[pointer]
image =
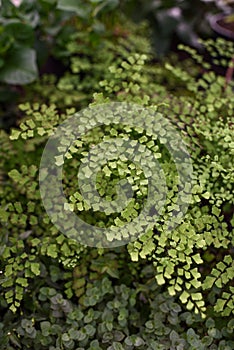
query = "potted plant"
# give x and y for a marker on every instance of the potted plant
(223, 25)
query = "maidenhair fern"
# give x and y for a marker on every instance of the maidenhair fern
(184, 259)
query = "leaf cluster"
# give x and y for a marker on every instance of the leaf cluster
(167, 289)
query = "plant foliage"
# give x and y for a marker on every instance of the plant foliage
(166, 290)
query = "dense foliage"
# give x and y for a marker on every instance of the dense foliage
(166, 290)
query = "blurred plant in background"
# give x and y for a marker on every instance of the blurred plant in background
(174, 21)
(33, 40)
